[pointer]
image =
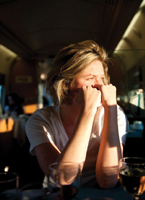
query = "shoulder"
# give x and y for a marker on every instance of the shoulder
(45, 112)
(6, 107)
(43, 115)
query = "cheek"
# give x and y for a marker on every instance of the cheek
(76, 84)
(75, 87)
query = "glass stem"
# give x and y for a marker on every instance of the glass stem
(135, 198)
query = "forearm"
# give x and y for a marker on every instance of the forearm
(44, 157)
(76, 148)
(109, 151)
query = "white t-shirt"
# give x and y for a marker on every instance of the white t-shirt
(45, 125)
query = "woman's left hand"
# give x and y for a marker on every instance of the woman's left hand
(108, 95)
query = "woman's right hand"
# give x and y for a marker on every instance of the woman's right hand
(88, 98)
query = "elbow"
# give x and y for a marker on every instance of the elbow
(107, 177)
(106, 181)
(107, 184)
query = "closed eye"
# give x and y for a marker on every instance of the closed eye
(90, 78)
(103, 78)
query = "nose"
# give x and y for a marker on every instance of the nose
(98, 81)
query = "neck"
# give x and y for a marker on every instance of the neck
(69, 113)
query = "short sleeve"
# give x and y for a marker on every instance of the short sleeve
(38, 130)
(122, 125)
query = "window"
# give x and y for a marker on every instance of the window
(2, 98)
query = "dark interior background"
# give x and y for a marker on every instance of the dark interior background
(32, 32)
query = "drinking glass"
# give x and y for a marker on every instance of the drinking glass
(98, 198)
(132, 175)
(64, 180)
(9, 183)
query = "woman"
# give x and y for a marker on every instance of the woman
(87, 126)
(13, 105)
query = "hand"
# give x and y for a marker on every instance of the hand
(108, 95)
(88, 98)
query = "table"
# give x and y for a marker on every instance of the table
(117, 193)
(6, 136)
(11, 128)
(15, 126)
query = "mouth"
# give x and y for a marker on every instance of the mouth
(97, 87)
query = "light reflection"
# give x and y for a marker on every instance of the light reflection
(43, 76)
(6, 125)
(6, 169)
(131, 26)
(50, 139)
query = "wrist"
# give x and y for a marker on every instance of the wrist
(107, 104)
(88, 111)
(110, 107)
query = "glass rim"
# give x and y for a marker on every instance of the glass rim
(124, 159)
(56, 163)
(10, 179)
(98, 198)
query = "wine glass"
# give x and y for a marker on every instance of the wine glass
(64, 180)
(132, 175)
(9, 183)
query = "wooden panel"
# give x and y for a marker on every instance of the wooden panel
(23, 81)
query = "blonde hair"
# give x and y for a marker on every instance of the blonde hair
(69, 63)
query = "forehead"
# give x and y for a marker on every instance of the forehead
(95, 67)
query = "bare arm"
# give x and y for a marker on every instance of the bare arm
(74, 151)
(77, 145)
(76, 148)
(110, 150)
(46, 154)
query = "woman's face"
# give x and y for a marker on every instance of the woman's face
(93, 75)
